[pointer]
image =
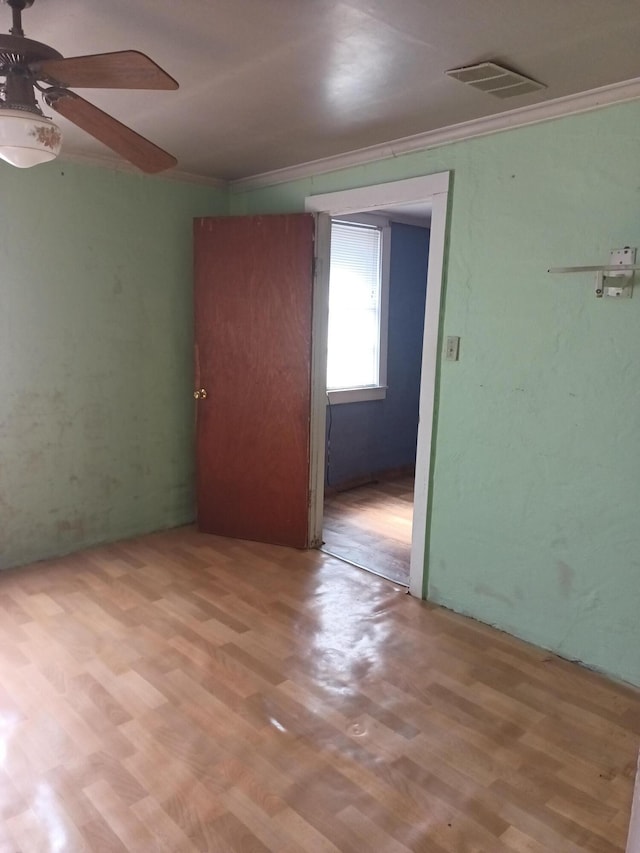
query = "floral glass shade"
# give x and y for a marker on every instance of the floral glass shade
(27, 139)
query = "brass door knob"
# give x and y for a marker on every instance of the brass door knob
(200, 394)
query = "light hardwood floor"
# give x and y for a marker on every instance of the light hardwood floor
(182, 692)
(371, 526)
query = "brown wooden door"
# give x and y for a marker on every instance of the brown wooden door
(253, 310)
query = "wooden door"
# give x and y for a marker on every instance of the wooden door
(253, 313)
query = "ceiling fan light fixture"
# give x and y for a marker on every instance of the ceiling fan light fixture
(28, 139)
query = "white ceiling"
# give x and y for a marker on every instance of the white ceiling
(266, 84)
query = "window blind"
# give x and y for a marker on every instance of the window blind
(354, 306)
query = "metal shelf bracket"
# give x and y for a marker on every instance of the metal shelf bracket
(613, 279)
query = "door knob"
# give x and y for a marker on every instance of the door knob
(200, 394)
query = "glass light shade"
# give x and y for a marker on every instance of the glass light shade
(27, 139)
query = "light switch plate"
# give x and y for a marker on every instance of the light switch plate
(452, 349)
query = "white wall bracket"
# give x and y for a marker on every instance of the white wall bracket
(613, 279)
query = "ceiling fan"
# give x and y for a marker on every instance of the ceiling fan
(28, 138)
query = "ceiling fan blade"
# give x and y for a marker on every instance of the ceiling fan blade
(124, 69)
(115, 135)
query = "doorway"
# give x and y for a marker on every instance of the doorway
(378, 279)
(432, 190)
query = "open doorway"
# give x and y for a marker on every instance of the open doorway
(377, 292)
(433, 190)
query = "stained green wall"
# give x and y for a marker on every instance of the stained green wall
(95, 356)
(536, 500)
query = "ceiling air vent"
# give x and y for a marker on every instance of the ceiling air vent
(495, 80)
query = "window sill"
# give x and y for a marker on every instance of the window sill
(357, 395)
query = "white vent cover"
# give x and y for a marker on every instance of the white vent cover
(494, 79)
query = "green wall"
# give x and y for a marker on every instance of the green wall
(95, 356)
(535, 515)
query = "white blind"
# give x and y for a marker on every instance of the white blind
(353, 357)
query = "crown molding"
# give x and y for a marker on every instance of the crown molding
(593, 99)
(127, 168)
(192, 178)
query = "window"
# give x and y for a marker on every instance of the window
(356, 354)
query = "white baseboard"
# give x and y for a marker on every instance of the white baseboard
(633, 842)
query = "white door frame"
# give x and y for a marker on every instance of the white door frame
(434, 188)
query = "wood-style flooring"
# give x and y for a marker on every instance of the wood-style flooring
(182, 692)
(371, 527)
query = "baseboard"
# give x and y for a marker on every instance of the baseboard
(633, 841)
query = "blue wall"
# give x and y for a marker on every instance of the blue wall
(368, 438)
